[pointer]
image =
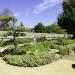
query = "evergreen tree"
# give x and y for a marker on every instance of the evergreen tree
(67, 19)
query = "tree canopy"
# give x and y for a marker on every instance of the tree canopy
(67, 19)
(6, 17)
(39, 28)
(54, 28)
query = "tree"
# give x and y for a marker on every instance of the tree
(15, 30)
(13, 20)
(5, 18)
(39, 28)
(54, 28)
(67, 19)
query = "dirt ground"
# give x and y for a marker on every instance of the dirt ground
(61, 67)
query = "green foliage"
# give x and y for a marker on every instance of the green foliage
(37, 54)
(23, 40)
(16, 34)
(5, 18)
(39, 47)
(12, 51)
(41, 39)
(18, 41)
(29, 55)
(29, 60)
(67, 19)
(4, 34)
(39, 28)
(16, 28)
(5, 43)
(63, 41)
(54, 29)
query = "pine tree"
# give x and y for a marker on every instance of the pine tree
(67, 19)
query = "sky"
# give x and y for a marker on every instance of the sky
(31, 12)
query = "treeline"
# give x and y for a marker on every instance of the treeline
(6, 24)
(54, 28)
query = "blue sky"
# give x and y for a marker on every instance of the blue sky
(30, 12)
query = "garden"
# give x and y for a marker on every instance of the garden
(36, 54)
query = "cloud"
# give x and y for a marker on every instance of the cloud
(45, 5)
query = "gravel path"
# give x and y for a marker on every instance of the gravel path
(61, 67)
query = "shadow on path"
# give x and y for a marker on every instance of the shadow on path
(73, 66)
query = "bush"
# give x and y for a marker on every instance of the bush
(29, 55)
(29, 60)
(62, 41)
(23, 40)
(4, 43)
(12, 51)
(41, 39)
(64, 50)
(39, 47)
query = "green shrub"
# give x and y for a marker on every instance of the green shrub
(64, 50)
(41, 39)
(4, 43)
(32, 48)
(29, 60)
(62, 41)
(12, 51)
(24, 40)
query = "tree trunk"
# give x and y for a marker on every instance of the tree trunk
(14, 40)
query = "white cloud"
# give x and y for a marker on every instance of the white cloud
(45, 5)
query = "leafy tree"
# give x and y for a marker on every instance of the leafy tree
(13, 20)
(39, 28)
(67, 19)
(5, 18)
(54, 29)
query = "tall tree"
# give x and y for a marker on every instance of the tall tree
(67, 19)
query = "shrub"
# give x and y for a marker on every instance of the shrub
(29, 60)
(64, 50)
(41, 39)
(32, 48)
(23, 40)
(12, 51)
(62, 41)
(4, 43)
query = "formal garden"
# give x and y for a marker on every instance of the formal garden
(28, 53)
(23, 50)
